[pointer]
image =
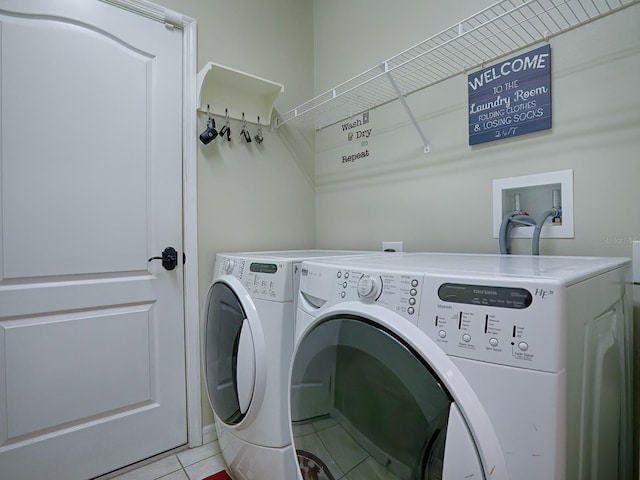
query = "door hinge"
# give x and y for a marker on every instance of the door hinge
(172, 19)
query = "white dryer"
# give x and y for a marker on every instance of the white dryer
(249, 328)
(446, 366)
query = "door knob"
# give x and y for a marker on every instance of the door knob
(169, 258)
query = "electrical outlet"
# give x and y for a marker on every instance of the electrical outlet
(392, 246)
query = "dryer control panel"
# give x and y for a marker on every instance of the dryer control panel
(264, 278)
(520, 324)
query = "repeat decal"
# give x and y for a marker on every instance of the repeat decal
(511, 98)
(358, 132)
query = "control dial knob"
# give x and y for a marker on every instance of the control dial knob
(229, 265)
(368, 286)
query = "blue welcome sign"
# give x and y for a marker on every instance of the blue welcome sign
(511, 98)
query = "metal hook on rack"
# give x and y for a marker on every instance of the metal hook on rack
(210, 133)
(226, 129)
(259, 138)
(244, 132)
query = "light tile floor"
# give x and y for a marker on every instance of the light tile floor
(324, 438)
(193, 464)
(344, 457)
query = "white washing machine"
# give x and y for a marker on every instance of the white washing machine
(447, 366)
(249, 317)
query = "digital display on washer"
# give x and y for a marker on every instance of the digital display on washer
(263, 267)
(484, 295)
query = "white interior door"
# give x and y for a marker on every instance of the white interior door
(92, 361)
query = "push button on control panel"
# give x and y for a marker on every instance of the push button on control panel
(524, 346)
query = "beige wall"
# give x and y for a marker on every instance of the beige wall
(442, 201)
(254, 197)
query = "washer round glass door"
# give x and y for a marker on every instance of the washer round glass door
(367, 404)
(232, 341)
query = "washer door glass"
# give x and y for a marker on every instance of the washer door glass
(368, 406)
(229, 355)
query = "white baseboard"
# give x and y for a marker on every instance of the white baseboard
(209, 433)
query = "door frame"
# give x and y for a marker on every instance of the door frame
(172, 20)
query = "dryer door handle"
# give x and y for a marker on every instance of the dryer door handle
(246, 367)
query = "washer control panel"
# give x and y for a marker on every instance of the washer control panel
(398, 292)
(519, 324)
(267, 279)
(512, 321)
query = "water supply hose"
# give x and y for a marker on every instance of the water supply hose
(510, 221)
(535, 241)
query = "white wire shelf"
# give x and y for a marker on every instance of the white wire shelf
(498, 30)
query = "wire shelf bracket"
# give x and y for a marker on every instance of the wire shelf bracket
(403, 101)
(499, 30)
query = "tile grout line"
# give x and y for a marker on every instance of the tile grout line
(171, 473)
(184, 466)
